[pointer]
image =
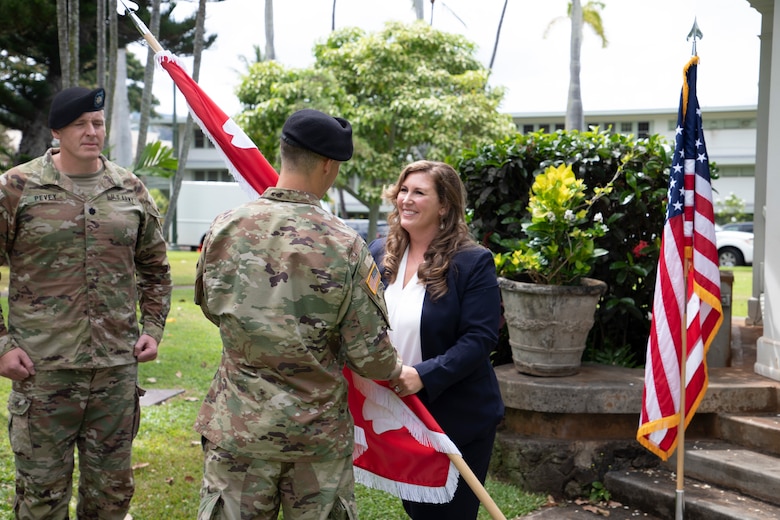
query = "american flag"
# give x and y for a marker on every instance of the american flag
(687, 285)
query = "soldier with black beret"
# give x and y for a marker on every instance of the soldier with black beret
(69, 104)
(320, 133)
(296, 296)
(83, 241)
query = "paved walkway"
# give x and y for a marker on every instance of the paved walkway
(157, 396)
(584, 511)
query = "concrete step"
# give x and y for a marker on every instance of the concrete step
(734, 467)
(757, 432)
(654, 491)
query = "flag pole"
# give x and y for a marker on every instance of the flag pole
(476, 486)
(141, 26)
(679, 508)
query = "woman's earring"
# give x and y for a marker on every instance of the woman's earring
(441, 225)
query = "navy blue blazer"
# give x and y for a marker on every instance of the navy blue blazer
(458, 332)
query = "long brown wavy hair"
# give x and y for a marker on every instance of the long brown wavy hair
(453, 232)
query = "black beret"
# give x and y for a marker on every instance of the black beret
(328, 136)
(69, 104)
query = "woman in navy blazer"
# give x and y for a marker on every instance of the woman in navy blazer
(444, 306)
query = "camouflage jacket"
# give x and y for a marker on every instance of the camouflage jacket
(296, 296)
(78, 266)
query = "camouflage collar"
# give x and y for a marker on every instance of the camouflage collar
(285, 195)
(50, 174)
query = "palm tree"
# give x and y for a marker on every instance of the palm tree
(200, 31)
(257, 57)
(100, 22)
(575, 117)
(580, 15)
(146, 97)
(113, 49)
(419, 11)
(68, 36)
(62, 40)
(270, 53)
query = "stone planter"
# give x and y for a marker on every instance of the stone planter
(548, 324)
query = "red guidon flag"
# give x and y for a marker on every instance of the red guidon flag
(244, 161)
(399, 447)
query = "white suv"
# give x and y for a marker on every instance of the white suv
(734, 247)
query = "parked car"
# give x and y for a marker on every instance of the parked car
(361, 226)
(734, 247)
(738, 226)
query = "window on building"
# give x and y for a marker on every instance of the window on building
(643, 129)
(560, 126)
(201, 140)
(545, 128)
(212, 175)
(527, 129)
(711, 124)
(609, 127)
(626, 127)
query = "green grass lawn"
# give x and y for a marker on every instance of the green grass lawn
(741, 291)
(167, 455)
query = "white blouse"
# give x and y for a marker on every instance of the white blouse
(404, 306)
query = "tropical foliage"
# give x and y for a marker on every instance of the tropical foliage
(579, 15)
(30, 67)
(156, 159)
(559, 246)
(499, 177)
(410, 92)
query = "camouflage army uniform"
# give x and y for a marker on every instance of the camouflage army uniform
(295, 294)
(78, 265)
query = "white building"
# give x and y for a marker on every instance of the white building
(730, 134)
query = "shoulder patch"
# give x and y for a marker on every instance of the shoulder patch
(373, 279)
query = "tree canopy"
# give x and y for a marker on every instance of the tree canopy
(410, 92)
(30, 72)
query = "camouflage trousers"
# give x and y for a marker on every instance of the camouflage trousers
(55, 411)
(236, 487)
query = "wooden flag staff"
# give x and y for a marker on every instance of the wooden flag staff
(477, 487)
(123, 9)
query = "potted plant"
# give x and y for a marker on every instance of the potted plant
(549, 302)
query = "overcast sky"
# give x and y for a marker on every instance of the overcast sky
(641, 68)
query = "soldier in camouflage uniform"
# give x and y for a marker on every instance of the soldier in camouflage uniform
(83, 242)
(295, 294)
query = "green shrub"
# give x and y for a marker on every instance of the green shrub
(498, 178)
